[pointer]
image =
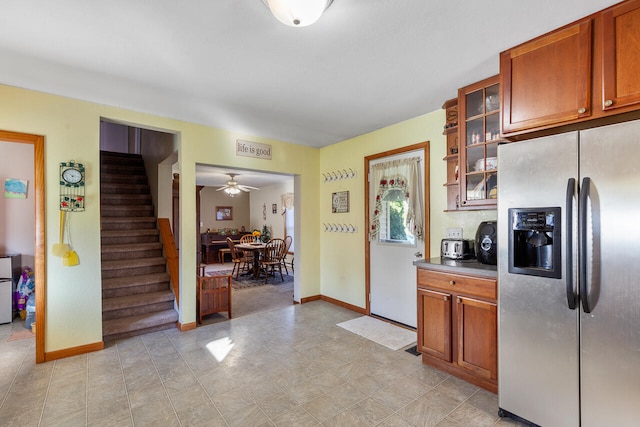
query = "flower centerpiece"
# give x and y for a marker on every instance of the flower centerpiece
(256, 236)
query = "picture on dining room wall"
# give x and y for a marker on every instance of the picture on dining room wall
(274, 208)
(224, 213)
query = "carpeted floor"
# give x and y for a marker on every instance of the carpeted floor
(383, 333)
(247, 281)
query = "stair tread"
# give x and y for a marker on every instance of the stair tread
(141, 321)
(128, 206)
(129, 247)
(125, 196)
(132, 263)
(122, 302)
(128, 219)
(130, 233)
(143, 279)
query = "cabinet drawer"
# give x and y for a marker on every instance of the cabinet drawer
(484, 288)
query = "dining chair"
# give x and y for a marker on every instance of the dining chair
(272, 258)
(248, 255)
(213, 295)
(287, 240)
(237, 257)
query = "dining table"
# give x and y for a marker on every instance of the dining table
(256, 249)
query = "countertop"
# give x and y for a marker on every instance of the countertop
(471, 266)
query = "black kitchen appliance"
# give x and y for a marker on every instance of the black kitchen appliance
(487, 243)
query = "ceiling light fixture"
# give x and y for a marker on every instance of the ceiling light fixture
(231, 191)
(297, 13)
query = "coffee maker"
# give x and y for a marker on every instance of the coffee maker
(487, 243)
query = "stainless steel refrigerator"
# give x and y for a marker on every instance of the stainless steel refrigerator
(569, 278)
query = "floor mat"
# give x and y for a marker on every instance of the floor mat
(383, 333)
(20, 335)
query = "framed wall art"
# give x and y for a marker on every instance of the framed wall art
(224, 213)
(340, 202)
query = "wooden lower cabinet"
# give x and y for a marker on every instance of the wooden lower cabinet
(434, 308)
(458, 327)
(477, 336)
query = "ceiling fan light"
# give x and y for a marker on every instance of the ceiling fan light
(232, 191)
(297, 13)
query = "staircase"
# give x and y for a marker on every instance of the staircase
(136, 293)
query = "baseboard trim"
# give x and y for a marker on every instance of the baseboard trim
(186, 327)
(335, 302)
(309, 299)
(73, 351)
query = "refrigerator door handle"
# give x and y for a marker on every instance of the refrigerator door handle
(572, 298)
(584, 198)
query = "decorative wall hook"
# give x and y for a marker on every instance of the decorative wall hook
(339, 228)
(338, 175)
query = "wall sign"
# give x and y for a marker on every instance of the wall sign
(340, 202)
(253, 149)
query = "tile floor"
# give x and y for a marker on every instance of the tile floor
(290, 366)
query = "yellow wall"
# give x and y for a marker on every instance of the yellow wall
(342, 255)
(71, 129)
(330, 264)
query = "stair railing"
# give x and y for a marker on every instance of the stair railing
(171, 253)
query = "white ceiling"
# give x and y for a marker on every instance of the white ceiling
(364, 65)
(213, 176)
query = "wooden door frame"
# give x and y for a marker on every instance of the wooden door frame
(424, 146)
(39, 244)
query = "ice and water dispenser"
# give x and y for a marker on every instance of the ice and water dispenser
(534, 242)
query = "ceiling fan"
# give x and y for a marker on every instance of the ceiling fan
(232, 186)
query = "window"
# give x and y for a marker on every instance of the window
(393, 219)
(288, 227)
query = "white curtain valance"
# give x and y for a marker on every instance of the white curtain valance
(287, 200)
(404, 175)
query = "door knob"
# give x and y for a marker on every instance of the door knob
(608, 103)
(582, 110)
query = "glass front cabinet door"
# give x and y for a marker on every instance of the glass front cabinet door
(479, 125)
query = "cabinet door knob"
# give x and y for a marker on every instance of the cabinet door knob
(446, 298)
(458, 300)
(452, 282)
(608, 103)
(582, 111)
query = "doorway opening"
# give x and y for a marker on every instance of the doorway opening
(37, 188)
(268, 205)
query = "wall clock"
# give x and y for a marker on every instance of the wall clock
(72, 175)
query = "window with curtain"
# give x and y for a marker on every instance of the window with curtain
(287, 204)
(397, 213)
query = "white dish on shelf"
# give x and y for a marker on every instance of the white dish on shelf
(492, 163)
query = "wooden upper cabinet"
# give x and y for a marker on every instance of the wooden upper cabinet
(621, 56)
(579, 76)
(547, 80)
(479, 136)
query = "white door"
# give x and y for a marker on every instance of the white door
(392, 283)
